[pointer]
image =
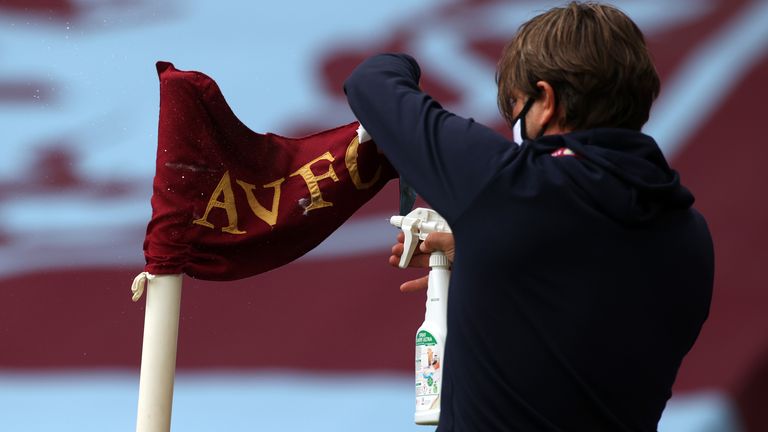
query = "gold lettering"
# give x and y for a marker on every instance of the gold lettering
(350, 159)
(311, 180)
(223, 188)
(268, 216)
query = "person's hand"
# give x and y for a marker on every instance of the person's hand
(434, 242)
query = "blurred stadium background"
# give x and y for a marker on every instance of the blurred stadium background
(323, 344)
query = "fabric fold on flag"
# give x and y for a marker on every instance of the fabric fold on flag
(230, 203)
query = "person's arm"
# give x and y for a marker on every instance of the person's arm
(446, 158)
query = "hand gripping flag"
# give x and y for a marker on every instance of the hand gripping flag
(229, 203)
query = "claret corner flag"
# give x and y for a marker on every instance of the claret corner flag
(229, 203)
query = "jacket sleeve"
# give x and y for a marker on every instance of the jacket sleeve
(448, 159)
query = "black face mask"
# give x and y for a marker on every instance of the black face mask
(519, 132)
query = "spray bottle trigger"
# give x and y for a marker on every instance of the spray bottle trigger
(410, 242)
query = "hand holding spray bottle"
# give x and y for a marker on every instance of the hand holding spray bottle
(430, 337)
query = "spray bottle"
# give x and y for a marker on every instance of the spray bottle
(430, 337)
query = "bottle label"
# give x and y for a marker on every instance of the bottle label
(429, 371)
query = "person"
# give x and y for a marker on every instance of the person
(581, 273)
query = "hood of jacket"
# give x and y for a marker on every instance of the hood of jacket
(622, 172)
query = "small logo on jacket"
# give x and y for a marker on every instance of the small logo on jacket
(562, 151)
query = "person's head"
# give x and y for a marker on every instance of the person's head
(583, 66)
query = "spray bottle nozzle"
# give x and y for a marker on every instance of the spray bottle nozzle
(417, 225)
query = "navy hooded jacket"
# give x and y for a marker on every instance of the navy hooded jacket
(579, 282)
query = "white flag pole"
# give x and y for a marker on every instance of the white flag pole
(158, 353)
